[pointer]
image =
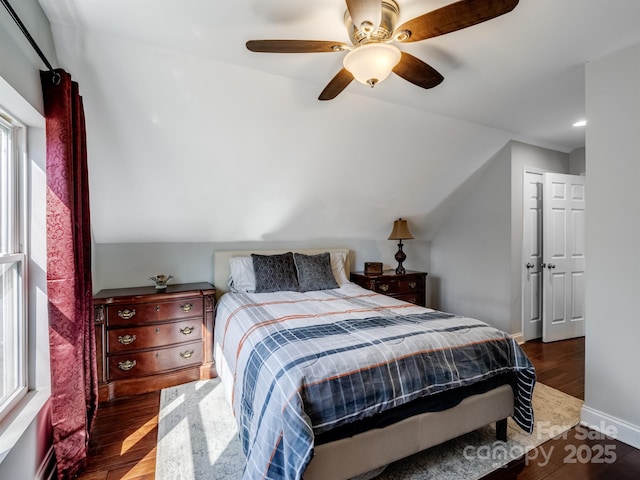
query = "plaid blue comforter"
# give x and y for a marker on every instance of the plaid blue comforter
(298, 364)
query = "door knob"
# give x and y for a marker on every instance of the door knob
(530, 265)
(552, 265)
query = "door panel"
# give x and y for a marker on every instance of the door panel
(579, 233)
(577, 300)
(534, 294)
(558, 298)
(558, 234)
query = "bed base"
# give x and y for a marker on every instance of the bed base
(349, 457)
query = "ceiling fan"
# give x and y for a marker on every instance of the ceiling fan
(371, 25)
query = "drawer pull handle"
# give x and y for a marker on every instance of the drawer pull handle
(412, 284)
(186, 354)
(126, 314)
(128, 365)
(384, 287)
(187, 307)
(187, 330)
(127, 339)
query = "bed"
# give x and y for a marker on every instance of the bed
(299, 369)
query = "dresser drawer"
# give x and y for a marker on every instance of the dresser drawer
(410, 297)
(136, 364)
(395, 285)
(138, 313)
(409, 286)
(152, 336)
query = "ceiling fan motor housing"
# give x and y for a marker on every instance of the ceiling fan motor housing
(363, 34)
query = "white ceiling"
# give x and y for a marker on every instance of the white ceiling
(522, 72)
(165, 79)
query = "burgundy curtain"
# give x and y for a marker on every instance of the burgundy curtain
(74, 387)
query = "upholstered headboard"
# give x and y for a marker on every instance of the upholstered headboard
(221, 269)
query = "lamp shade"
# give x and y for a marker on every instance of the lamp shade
(372, 63)
(400, 230)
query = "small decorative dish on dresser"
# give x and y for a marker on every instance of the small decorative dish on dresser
(148, 339)
(409, 286)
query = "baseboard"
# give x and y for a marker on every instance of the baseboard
(518, 337)
(47, 470)
(611, 426)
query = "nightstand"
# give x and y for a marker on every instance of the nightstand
(148, 339)
(409, 286)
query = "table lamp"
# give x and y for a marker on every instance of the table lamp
(400, 232)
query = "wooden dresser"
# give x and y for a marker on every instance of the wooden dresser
(409, 286)
(148, 339)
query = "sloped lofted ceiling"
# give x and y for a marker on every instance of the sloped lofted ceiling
(193, 138)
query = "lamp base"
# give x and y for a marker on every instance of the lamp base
(400, 257)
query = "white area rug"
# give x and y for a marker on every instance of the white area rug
(197, 439)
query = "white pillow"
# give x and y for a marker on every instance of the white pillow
(337, 266)
(243, 279)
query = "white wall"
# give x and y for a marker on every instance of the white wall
(612, 389)
(476, 252)
(577, 161)
(25, 437)
(120, 265)
(20, 64)
(470, 251)
(203, 150)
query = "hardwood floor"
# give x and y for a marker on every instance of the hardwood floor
(123, 442)
(580, 453)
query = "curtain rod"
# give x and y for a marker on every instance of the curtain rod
(56, 76)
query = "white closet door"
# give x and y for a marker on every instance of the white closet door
(563, 256)
(532, 257)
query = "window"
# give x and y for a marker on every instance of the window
(13, 334)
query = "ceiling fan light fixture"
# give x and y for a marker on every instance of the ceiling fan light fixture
(372, 63)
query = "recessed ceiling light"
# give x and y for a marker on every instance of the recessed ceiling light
(580, 123)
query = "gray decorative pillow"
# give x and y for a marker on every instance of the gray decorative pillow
(275, 273)
(314, 272)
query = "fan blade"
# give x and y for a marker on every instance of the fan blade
(295, 46)
(417, 72)
(455, 16)
(365, 11)
(337, 84)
